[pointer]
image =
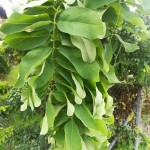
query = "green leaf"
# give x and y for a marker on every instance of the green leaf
(61, 118)
(87, 47)
(20, 22)
(59, 96)
(98, 98)
(101, 126)
(84, 147)
(45, 75)
(44, 128)
(39, 10)
(108, 52)
(66, 74)
(70, 108)
(50, 113)
(101, 53)
(36, 25)
(82, 112)
(90, 143)
(72, 136)
(109, 120)
(111, 76)
(99, 106)
(119, 11)
(93, 124)
(128, 46)
(60, 138)
(135, 19)
(24, 106)
(97, 3)
(78, 100)
(31, 60)
(63, 62)
(81, 21)
(48, 119)
(80, 91)
(110, 15)
(89, 71)
(36, 100)
(70, 1)
(109, 106)
(24, 99)
(27, 40)
(27, 99)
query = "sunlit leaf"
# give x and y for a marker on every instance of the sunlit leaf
(109, 106)
(72, 136)
(81, 21)
(24, 105)
(111, 76)
(97, 3)
(87, 47)
(135, 19)
(20, 22)
(109, 120)
(70, 108)
(128, 46)
(48, 119)
(44, 128)
(50, 113)
(70, 1)
(31, 60)
(80, 91)
(82, 112)
(36, 100)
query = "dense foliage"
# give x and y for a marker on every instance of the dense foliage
(71, 50)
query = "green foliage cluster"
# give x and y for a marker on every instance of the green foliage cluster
(19, 130)
(127, 136)
(71, 51)
(4, 68)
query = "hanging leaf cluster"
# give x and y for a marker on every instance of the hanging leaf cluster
(69, 48)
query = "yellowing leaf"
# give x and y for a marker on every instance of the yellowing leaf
(78, 100)
(70, 1)
(70, 108)
(83, 145)
(98, 99)
(100, 111)
(24, 106)
(80, 91)
(44, 128)
(48, 119)
(109, 106)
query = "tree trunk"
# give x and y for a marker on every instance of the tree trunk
(112, 144)
(138, 115)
